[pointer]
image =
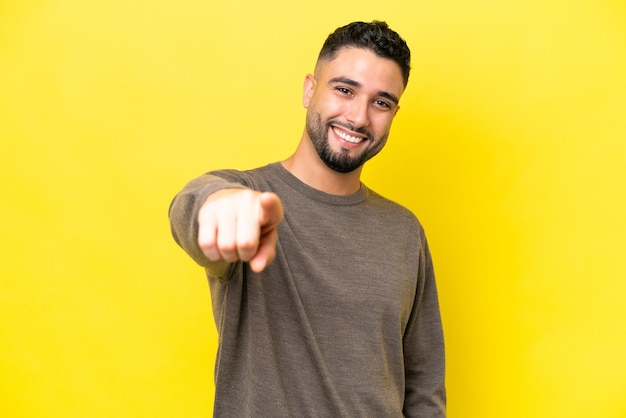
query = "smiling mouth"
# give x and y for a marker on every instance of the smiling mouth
(348, 138)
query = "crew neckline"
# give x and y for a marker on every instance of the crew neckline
(315, 194)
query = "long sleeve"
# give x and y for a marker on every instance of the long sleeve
(349, 302)
(425, 394)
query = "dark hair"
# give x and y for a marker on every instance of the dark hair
(376, 37)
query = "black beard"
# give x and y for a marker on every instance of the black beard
(341, 161)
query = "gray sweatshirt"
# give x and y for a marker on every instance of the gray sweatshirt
(344, 323)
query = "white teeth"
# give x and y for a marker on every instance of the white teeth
(346, 137)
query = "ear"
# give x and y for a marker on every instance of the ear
(309, 87)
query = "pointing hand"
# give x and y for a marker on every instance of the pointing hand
(240, 224)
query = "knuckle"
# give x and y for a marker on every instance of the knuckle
(206, 244)
(247, 245)
(227, 247)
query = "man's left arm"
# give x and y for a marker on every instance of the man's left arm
(425, 392)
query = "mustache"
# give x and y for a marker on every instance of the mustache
(351, 127)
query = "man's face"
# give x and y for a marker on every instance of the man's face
(351, 102)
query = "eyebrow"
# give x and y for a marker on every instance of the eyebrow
(355, 83)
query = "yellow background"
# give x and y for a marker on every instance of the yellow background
(510, 146)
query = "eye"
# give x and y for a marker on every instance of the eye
(344, 90)
(381, 103)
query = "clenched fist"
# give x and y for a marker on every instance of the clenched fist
(240, 224)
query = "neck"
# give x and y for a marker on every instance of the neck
(307, 166)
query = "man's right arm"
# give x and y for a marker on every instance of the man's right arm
(218, 222)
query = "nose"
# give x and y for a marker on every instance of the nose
(358, 112)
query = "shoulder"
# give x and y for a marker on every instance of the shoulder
(257, 178)
(387, 205)
(393, 212)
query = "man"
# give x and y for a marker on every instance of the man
(323, 291)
